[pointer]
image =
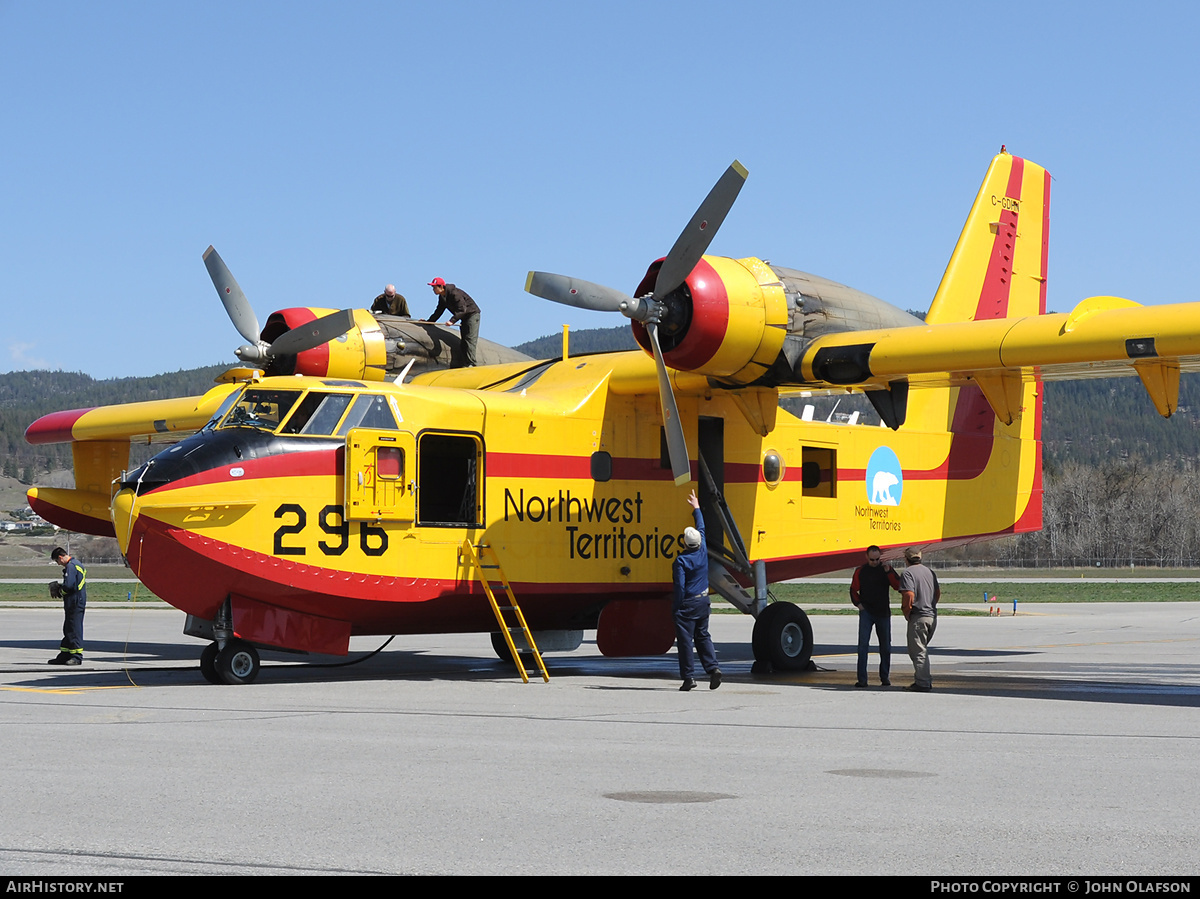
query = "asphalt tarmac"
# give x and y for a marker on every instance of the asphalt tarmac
(1062, 741)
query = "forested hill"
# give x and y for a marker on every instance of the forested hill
(1085, 422)
(590, 340)
(27, 395)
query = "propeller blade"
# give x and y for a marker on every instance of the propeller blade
(573, 292)
(324, 329)
(695, 238)
(236, 305)
(681, 466)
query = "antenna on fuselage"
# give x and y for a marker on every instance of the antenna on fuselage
(400, 377)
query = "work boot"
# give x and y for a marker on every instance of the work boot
(60, 659)
(688, 684)
(74, 660)
(714, 679)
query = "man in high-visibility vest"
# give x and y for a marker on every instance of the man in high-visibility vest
(73, 591)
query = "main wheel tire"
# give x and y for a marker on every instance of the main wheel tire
(208, 664)
(501, 649)
(783, 636)
(762, 625)
(238, 663)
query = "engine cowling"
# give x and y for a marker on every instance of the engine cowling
(358, 355)
(728, 320)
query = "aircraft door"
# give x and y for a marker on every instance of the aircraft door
(380, 475)
(819, 480)
(712, 450)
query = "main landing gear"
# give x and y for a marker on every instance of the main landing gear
(782, 640)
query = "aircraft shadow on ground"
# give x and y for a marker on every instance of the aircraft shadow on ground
(173, 664)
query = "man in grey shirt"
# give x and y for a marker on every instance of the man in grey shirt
(919, 595)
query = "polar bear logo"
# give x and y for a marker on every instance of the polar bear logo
(884, 482)
(881, 489)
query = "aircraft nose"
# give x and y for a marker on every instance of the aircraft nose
(123, 517)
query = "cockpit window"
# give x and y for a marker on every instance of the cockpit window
(370, 410)
(263, 409)
(226, 405)
(318, 413)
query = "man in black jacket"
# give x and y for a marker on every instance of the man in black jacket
(462, 309)
(869, 593)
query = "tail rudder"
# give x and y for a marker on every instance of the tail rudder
(998, 268)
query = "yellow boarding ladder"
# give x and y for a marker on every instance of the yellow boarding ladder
(485, 560)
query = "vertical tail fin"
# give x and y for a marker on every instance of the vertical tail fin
(998, 268)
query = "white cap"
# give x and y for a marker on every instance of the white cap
(691, 537)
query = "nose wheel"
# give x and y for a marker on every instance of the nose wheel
(237, 663)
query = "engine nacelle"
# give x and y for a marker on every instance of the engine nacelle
(728, 320)
(358, 355)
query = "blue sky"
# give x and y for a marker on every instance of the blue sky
(326, 149)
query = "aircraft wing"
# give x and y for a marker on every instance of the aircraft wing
(124, 422)
(100, 439)
(1101, 337)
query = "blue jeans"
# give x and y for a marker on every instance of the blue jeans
(882, 625)
(691, 625)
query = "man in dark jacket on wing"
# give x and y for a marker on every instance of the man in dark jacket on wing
(462, 310)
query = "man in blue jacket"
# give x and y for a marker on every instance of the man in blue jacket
(691, 607)
(73, 591)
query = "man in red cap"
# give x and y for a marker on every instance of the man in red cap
(462, 310)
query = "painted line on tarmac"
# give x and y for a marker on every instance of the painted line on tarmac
(64, 690)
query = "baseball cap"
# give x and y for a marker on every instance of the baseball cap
(438, 282)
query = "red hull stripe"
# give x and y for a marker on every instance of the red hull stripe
(195, 573)
(55, 427)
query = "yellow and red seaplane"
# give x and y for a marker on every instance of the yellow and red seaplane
(346, 481)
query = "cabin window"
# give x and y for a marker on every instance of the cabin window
(819, 471)
(448, 480)
(370, 410)
(601, 466)
(389, 463)
(318, 413)
(260, 408)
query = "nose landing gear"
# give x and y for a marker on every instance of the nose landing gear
(237, 663)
